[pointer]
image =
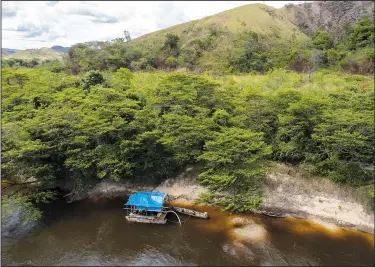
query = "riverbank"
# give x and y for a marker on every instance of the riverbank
(97, 234)
(290, 193)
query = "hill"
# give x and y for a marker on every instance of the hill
(331, 16)
(59, 48)
(259, 18)
(250, 38)
(8, 51)
(41, 54)
(257, 37)
(215, 37)
(302, 20)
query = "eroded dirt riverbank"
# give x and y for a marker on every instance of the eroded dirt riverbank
(288, 194)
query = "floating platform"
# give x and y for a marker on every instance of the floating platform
(147, 207)
(160, 218)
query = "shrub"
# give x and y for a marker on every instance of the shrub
(359, 62)
(362, 34)
(322, 40)
(92, 78)
(171, 62)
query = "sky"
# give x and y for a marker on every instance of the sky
(46, 23)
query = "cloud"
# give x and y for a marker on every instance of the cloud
(24, 28)
(8, 13)
(36, 32)
(105, 20)
(169, 14)
(38, 24)
(8, 10)
(52, 3)
(30, 30)
(97, 16)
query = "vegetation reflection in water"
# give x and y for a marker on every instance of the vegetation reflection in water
(96, 233)
(283, 235)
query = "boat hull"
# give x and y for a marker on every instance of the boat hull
(202, 215)
(147, 219)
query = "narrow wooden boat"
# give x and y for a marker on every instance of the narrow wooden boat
(193, 213)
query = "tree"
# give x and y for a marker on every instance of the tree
(171, 62)
(183, 104)
(333, 56)
(25, 204)
(299, 60)
(92, 78)
(81, 58)
(17, 79)
(234, 162)
(362, 34)
(143, 127)
(122, 79)
(127, 36)
(296, 125)
(171, 41)
(171, 47)
(245, 55)
(317, 59)
(322, 40)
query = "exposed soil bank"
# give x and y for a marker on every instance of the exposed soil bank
(290, 193)
(183, 187)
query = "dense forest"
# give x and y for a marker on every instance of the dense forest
(118, 113)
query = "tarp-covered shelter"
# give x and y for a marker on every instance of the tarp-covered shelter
(149, 201)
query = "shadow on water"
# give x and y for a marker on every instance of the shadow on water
(96, 233)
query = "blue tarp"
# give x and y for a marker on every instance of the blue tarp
(150, 201)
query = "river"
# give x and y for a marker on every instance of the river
(96, 233)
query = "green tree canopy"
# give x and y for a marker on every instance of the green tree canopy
(362, 34)
(322, 40)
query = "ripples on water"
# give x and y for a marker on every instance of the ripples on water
(88, 234)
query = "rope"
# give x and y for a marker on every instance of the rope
(176, 215)
(180, 221)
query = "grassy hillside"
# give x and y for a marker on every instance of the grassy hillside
(41, 54)
(252, 38)
(259, 18)
(272, 25)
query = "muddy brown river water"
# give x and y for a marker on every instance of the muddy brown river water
(96, 233)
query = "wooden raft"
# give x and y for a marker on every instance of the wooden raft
(160, 218)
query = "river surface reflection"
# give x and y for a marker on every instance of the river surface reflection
(96, 233)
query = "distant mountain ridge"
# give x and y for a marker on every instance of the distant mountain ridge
(8, 51)
(44, 53)
(41, 53)
(59, 48)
